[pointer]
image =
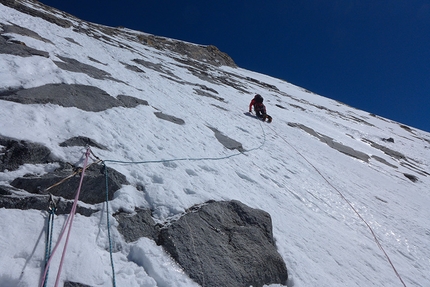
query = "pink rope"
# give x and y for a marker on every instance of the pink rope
(69, 223)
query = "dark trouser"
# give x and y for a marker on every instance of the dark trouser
(260, 114)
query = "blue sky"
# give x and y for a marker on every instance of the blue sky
(370, 54)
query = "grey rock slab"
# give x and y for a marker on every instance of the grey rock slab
(82, 141)
(333, 144)
(226, 141)
(169, 118)
(25, 202)
(225, 244)
(15, 152)
(19, 49)
(73, 65)
(84, 97)
(134, 226)
(93, 188)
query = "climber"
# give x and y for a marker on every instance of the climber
(259, 108)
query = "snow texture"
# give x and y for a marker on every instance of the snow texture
(324, 203)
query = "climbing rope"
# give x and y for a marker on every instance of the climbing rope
(69, 220)
(148, 162)
(68, 223)
(191, 158)
(108, 224)
(63, 180)
(349, 203)
(174, 159)
(49, 228)
(72, 215)
(76, 170)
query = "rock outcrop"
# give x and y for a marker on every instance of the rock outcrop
(218, 243)
(225, 244)
(31, 190)
(87, 98)
(14, 153)
(92, 192)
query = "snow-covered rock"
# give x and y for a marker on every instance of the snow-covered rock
(348, 207)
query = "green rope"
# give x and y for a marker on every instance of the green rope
(158, 161)
(170, 160)
(192, 158)
(108, 225)
(50, 228)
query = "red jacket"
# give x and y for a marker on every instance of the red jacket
(258, 107)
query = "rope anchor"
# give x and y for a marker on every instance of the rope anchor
(67, 226)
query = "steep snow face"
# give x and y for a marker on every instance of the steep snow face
(347, 191)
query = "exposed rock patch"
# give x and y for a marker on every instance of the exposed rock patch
(226, 141)
(413, 167)
(15, 29)
(225, 244)
(212, 55)
(408, 163)
(345, 149)
(380, 159)
(262, 84)
(208, 54)
(87, 98)
(219, 107)
(217, 244)
(133, 68)
(93, 190)
(202, 71)
(74, 284)
(14, 153)
(153, 66)
(38, 13)
(411, 177)
(75, 66)
(71, 40)
(133, 227)
(19, 195)
(209, 95)
(19, 49)
(357, 119)
(131, 102)
(406, 128)
(331, 143)
(19, 200)
(298, 107)
(82, 141)
(169, 118)
(386, 150)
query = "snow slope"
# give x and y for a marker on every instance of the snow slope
(324, 204)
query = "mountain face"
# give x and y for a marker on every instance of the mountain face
(177, 184)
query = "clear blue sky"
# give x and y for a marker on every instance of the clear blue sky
(371, 54)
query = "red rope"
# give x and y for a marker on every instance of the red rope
(69, 223)
(352, 207)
